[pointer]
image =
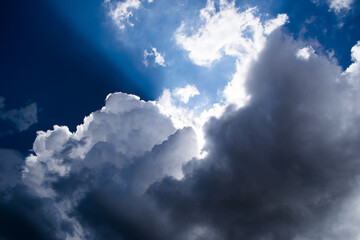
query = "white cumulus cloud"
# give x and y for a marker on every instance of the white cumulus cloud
(353, 71)
(122, 132)
(129, 141)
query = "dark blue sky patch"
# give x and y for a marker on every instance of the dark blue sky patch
(46, 61)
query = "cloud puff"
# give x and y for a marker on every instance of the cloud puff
(184, 94)
(22, 118)
(117, 152)
(158, 57)
(305, 53)
(353, 71)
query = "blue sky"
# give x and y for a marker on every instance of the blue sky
(150, 98)
(62, 46)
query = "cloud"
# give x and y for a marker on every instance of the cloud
(122, 11)
(126, 125)
(305, 53)
(285, 166)
(22, 118)
(243, 38)
(118, 152)
(226, 32)
(353, 71)
(184, 94)
(24, 215)
(355, 52)
(158, 57)
(340, 5)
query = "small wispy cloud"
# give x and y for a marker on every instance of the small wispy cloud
(22, 118)
(121, 12)
(340, 5)
(157, 56)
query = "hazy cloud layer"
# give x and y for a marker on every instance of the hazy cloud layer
(340, 5)
(21, 118)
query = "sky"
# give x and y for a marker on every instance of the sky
(184, 120)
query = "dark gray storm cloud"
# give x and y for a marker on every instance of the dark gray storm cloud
(23, 214)
(285, 166)
(280, 168)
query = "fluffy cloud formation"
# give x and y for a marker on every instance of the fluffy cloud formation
(119, 150)
(353, 71)
(226, 32)
(223, 31)
(283, 167)
(354, 68)
(22, 118)
(158, 57)
(127, 127)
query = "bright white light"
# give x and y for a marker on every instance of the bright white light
(355, 52)
(227, 31)
(305, 53)
(184, 94)
(354, 69)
